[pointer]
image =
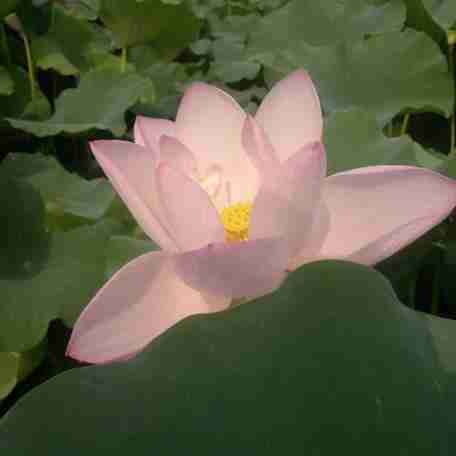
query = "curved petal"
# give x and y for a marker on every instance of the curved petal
(194, 220)
(240, 269)
(141, 301)
(286, 202)
(132, 172)
(290, 114)
(380, 204)
(257, 147)
(172, 151)
(209, 123)
(314, 239)
(392, 242)
(148, 131)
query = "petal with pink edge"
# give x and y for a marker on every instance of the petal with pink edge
(392, 242)
(140, 302)
(290, 114)
(132, 172)
(373, 210)
(287, 201)
(257, 146)
(239, 269)
(194, 220)
(209, 122)
(178, 156)
(148, 131)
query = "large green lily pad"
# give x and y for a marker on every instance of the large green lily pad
(330, 361)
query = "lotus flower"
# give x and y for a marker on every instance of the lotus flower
(235, 202)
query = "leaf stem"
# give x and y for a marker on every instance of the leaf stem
(30, 67)
(123, 59)
(405, 122)
(4, 42)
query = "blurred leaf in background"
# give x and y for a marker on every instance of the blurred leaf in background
(76, 111)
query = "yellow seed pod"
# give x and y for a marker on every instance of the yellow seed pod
(236, 220)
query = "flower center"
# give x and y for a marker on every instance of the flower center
(236, 220)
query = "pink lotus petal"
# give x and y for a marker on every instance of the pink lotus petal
(194, 220)
(209, 123)
(148, 131)
(140, 302)
(240, 269)
(178, 156)
(392, 242)
(315, 238)
(286, 202)
(132, 172)
(257, 147)
(376, 207)
(290, 114)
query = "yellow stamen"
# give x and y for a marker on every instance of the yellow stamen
(236, 220)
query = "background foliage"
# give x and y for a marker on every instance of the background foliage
(76, 70)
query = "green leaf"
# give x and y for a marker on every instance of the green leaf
(353, 140)
(76, 110)
(233, 28)
(443, 331)
(431, 159)
(15, 367)
(83, 9)
(73, 272)
(169, 80)
(81, 254)
(136, 22)
(63, 192)
(403, 268)
(119, 212)
(7, 7)
(324, 22)
(381, 74)
(6, 83)
(451, 167)
(181, 27)
(434, 17)
(34, 20)
(31, 359)
(331, 360)
(14, 104)
(9, 364)
(201, 47)
(101, 60)
(122, 249)
(228, 50)
(230, 63)
(448, 271)
(19, 103)
(23, 236)
(48, 55)
(443, 12)
(65, 45)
